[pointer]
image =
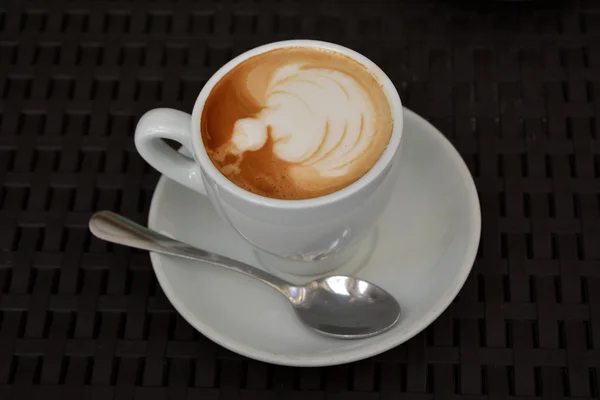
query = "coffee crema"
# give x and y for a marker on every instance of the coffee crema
(296, 123)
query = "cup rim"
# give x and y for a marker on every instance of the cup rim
(380, 165)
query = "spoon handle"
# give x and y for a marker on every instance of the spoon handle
(117, 229)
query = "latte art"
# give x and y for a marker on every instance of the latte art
(296, 123)
(319, 118)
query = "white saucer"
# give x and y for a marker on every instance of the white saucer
(421, 252)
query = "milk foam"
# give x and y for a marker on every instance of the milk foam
(317, 118)
(296, 123)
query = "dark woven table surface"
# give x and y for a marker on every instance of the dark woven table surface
(514, 86)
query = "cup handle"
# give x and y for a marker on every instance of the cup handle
(166, 123)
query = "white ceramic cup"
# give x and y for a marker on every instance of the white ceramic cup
(300, 237)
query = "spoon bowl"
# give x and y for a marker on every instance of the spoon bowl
(346, 307)
(337, 306)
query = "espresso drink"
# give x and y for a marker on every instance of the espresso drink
(296, 123)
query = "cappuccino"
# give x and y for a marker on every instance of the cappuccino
(296, 123)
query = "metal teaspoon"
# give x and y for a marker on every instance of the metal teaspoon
(337, 306)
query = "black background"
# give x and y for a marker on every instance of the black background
(514, 86)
